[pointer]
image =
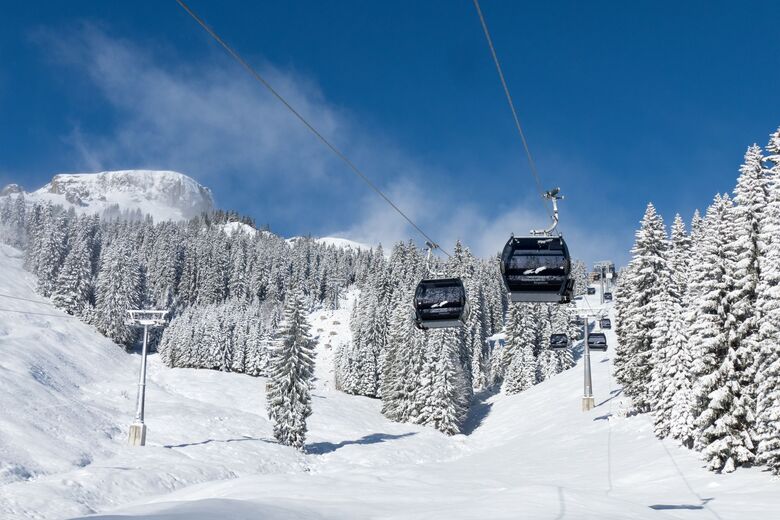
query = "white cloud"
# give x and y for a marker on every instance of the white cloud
(209, 120)
(206, 119)
(447, 219)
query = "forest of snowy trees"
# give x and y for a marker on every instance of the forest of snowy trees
(699, 321)
(429, 377)
(226, 289)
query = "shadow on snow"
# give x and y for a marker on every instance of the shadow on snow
(208, 441)
(479, 409)
(320, 448)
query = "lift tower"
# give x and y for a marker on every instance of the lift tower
(145, 318)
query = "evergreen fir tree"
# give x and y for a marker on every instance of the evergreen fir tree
(719, 406)
(445, 406)
(634, 355)
(669, 364)
(118, 289)
(767, 361)
(73, 290)
(290, 372)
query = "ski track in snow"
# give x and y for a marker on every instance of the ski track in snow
(68, 395)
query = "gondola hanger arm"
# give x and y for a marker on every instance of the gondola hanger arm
(554, 196)
(431, 246)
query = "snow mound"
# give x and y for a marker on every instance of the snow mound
(166, 195)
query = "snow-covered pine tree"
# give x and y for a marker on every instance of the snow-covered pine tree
(561, 324)
(13, 218)
(768, 308)
(633, 357)
(579, 271)
(370, 347)
(476, 340)
(666, 301)
(52, 248)
(73, 290)
(747, 215)
(513, 329)
(225, 347)
(672, 375)
(118, 289)
(718, 406)
(395, 400)
(521, 372)
(238, 285)
(445, 404)
(241, 335)
(291, 368)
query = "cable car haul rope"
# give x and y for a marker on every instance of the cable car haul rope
(534, 268)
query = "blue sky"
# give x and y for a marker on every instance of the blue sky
(622, 103)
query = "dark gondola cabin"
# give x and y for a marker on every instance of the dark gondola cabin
(559, 341)
(440, 303)
(591, 291)
(537, 269)
(597, 341)
(607, 296)
(605, 323)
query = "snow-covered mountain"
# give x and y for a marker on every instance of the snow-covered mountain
(166, 195)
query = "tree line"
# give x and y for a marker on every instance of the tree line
(699, 321)
(97, 269)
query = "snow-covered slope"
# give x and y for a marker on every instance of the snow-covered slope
(341, 243)
(210, 452)
(165, 195)
(47, 360)
(238, 227)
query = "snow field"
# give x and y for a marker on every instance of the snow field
(68, 395)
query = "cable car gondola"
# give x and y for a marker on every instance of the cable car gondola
(605, 323)
(597, 341)
(440, 303)
(607, 296)
(559, 341)
(537, 268)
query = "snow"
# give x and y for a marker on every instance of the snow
(344, 243)
(166, 195)
(238, 227)
(68, 396)
(340, 243)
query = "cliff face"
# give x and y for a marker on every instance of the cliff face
(166, 195)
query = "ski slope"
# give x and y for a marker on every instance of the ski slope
(67, 396)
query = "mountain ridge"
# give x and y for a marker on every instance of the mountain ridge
(163, 194)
